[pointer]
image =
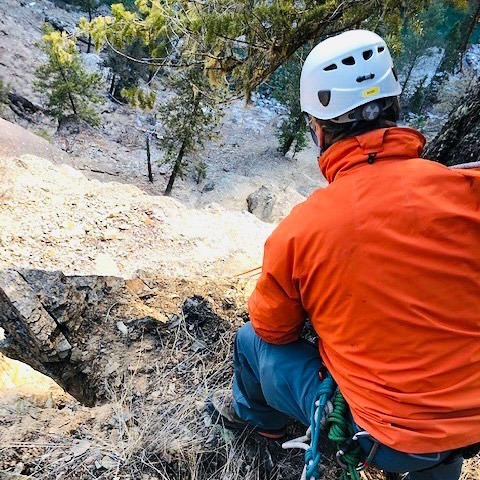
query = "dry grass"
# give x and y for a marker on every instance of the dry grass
(471, 469)
(162, 433)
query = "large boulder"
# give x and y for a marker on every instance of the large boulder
(261, 203)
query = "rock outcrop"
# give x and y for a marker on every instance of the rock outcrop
(261, 203)
(91, 333)
(64, 327)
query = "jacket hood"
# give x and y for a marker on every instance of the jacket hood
(385, 143)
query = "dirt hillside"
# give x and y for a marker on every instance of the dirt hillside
(53, 217)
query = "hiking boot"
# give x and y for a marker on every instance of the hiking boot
(220, 408)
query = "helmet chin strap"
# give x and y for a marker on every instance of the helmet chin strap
(317, 142)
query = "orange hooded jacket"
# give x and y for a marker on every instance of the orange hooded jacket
(385, 262)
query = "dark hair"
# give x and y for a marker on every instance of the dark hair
(335, 131)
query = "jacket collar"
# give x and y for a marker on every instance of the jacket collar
(385, 143)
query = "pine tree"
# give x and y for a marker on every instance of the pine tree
(125, 71)
(242, 42)
(91, 7)
(69, 88)
(462, 17)
(285, 87)
(418, 35)
(190, 117)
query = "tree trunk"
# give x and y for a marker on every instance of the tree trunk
(70, 97)
(457, 142)
(149, 162)
(473, 20)
(112, 85)
(176, 169)
(89, 46)
(409, 74)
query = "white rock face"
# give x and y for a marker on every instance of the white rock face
(53, 217)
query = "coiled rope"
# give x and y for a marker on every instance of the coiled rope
(313, 455)
(335, 417)
(340, 432)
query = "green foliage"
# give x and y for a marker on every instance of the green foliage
(126, 72)
(462, 22)
(421, 32)
(447, 24)
(200, 171)
(69, 88)
(190, 117)
(241, 42)
(418, 122)
(139, 97)
(285, 87)
(417, 100)
(42, 132)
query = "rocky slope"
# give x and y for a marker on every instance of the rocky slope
(242, 160)
(53, 217)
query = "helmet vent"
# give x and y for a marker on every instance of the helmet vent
(330, 67)
(381, 49)
(363, 78)
(348, 61)
(367, 54)
(324, 97)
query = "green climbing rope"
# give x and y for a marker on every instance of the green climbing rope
(340, 432)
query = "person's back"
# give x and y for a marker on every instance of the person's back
(387, 261)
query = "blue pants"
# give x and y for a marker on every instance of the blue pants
(273, 383)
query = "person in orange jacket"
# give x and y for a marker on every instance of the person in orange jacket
(385, 262)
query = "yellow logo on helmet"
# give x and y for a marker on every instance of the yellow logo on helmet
(370, 92)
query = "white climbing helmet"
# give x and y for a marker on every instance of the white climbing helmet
(346, 71)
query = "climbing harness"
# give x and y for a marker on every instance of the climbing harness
(330, 411)
(368, 460)
(320, 409)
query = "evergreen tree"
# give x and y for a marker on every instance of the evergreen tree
(285, 87)
(418, 35)
(91, 7)
(464, 21)
(69, 88)
(461, 19)
(242, 42)
(125, 70)
(190, 117)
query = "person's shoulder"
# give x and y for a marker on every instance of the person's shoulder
(471, 169)
(311, 205)
(307, 216)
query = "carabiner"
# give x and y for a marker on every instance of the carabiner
(373, 450)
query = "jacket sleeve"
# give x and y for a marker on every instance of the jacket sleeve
(275, 306)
